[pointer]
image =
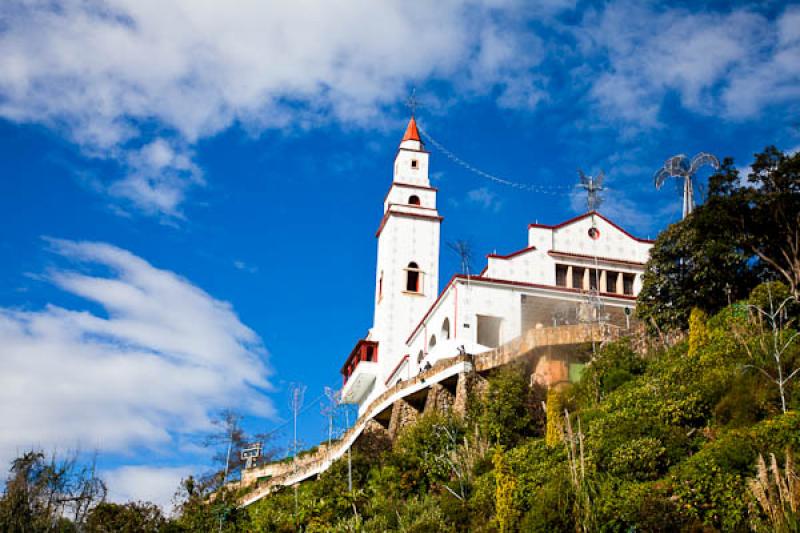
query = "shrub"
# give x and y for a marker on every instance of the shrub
(615, 364)
(507, 411)
(698, 332)
(555, 418)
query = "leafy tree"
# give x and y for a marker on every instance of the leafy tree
(49, 495)
(744, 232)
(510, 410)
(772, 220)
(699, 262)
(131, 517)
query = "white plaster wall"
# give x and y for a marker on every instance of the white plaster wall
(398, 195)
(533, 266)
(473, 299)
(612, 242)
(403, 240)
(405, 173)
(481, 298)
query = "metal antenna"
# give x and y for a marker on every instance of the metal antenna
(593, 185)
(680, 166)
(464, 251)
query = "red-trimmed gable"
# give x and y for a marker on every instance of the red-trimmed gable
(586, 215)
(512, 254)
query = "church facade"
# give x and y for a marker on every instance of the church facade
(586, 269)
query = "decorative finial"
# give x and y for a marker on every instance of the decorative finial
(681, 167)
(593, 185)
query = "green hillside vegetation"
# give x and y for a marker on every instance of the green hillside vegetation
(662, 443)
(689, 426)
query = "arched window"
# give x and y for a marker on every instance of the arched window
(420, 356)
(413, 275)
(413, 199)
(446, 329)
(432, 342)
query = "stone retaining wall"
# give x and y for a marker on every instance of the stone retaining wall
(438, 398)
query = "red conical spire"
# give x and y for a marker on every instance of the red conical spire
(412, 133)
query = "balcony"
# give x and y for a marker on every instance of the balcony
(360, 382)
(359, 371)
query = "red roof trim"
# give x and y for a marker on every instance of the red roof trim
(599, 258)
(552, 287)
(404, 149)
(513, 254)
(412, 186)
(414, 206)
(507, 282)
(354, 351)
(402, 214)
(408, 186)
(590, 213)
(435, 303)
(396, 368)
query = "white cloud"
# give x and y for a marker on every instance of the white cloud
(143, 364)
(727, 63)
(107, 73)
(134, 79)
(158, 177)
(245, 267)
(485, 199)
(145, 483)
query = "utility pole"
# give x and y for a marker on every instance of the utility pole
(329, 410)
(593, 185)
(232, 428)
(296, 392)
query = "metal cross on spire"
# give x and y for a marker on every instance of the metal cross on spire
(412, 102)
(593, 185)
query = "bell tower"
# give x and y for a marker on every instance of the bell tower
(407, 276)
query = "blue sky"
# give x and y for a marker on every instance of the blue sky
(189, 194)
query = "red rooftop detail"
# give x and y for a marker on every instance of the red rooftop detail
(412, 133)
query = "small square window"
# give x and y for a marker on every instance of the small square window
(414, 163)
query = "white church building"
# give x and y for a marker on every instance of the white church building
(586, 268)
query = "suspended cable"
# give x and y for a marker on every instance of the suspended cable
(556, 190)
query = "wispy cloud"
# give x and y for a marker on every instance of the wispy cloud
(140, 81)
(157, 179)
(485, 199)
(108, 74)
(144, 363)
(244, 267)
(733, 63)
